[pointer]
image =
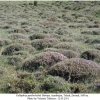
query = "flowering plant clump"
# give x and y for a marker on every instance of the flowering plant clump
(75, 69)
(67, 53)
(45, 59)
(44, 43)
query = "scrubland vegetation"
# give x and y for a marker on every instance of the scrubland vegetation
(50, 47)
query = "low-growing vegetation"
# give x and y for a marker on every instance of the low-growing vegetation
(50, 47)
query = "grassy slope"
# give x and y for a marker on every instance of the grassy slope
(23, 12)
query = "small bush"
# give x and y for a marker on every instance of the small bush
(77, 88)
(51, 49)
(96, 46)
(45, 59)
(75, 69)
(23, 75)
(2, 70)
(12, 48)
(6, 26)
(69, 46)
(5, 42)
(13, 21)
(76, 26)
(38, 36)
(44, 43)
(16, 30)
(20, 86)
(67, 53)
(61, 31)
(29, 48)
(22, 41)
(64, 39)
(95, 86)
(54, 84)
(91, 54)
(94, 26)
(91, 32)
(39, 75)
(15, 60)
(97, 13)
(21, 53)
(93, 41)
(24, 23)
(17, 36)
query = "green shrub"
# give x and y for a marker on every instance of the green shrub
(51, 49)
(91, 32)
(64, 39)
(76, 69)
(29, 48)
(61, 31)
(97, 13)
(77, 88)
(68, 46)
(24, 23)
(20, 86)
(12, 21)
(44, 43)
(21, 41)
(6, 26)
(54, 85)
(40, 75)
(17, 36)
(91, 54)
(96, 46)
(2, 70)
(94, 26)
(67, 53)
(23, 54)
(12, 48)
(5, 42)
(18, 30)
(38, 36)
(45, 59)
(24, 75)
(15, 60)
(76, 26)
(93, 41)
(94, 87)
